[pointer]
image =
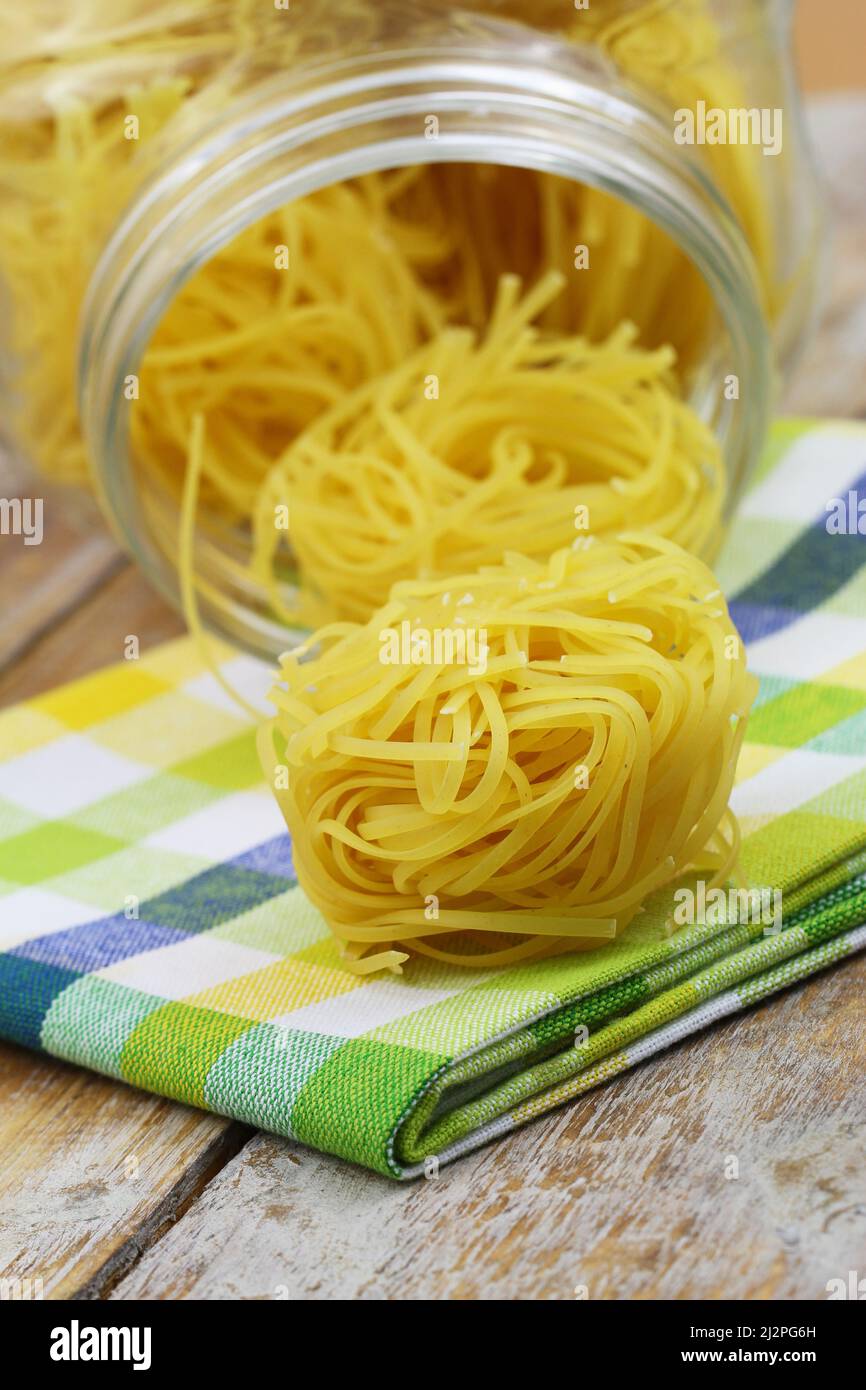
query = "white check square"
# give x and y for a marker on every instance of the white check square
(66, 774)
(821, 465)
(188, 967)
(791, 781)
(252, 680)
(224, 829)
(33, 912)
(374, 1004)
(809, 647)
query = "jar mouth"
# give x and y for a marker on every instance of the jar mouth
(541, 105)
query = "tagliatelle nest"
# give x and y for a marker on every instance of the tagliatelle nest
(474, 446)
(506, 764)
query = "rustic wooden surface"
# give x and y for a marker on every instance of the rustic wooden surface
(623, 1192)
(93, 1172)
(109, 1193)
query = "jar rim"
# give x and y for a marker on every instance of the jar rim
(546, 105)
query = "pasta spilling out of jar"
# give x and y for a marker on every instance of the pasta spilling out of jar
(345, 285)
(539, 439)
(421, 373)
(507, 763)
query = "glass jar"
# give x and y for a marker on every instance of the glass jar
(233, 110)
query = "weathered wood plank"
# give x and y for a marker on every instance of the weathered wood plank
(624, 1192)
(92, 1172)
(93, 635)
(831, 378)
(43, 583)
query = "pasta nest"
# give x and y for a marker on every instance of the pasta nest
(508, 763)
(475, 446)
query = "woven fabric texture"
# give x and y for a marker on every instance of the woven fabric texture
(151, 927)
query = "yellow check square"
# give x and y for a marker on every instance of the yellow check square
(280, 988)
(93, 698)
(167, 730)
(24, 728)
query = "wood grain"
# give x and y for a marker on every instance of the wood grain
(92, 1172)
(43, 584)
(623, 1191)
(71, 1215)
(831, 44)
(93, 635)
(831, 377)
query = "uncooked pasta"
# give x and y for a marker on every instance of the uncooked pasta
(471, 448)
(403, 412)
(377, 267)
(507, 763)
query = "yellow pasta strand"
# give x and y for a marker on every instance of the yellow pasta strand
(471, 448)
(529, 750)
(186, 570)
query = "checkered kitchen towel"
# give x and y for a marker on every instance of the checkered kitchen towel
(151, 927)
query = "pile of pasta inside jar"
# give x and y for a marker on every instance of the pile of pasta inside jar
(461, 456)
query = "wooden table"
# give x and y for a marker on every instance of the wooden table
(109, 1193)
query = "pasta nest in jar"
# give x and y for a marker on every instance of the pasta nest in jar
(507, 763)
(474, 446)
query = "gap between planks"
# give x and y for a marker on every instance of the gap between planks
(187, 1190)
